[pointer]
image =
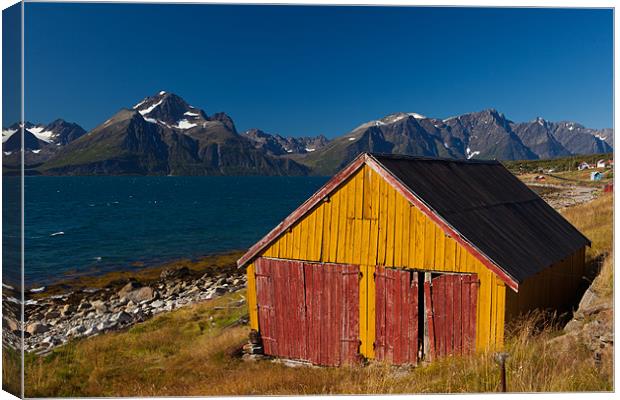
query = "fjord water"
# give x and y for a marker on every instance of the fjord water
(90, 225)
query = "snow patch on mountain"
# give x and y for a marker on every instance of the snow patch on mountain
(7, 134)
(185, 124)
(42, 134)
(151, 108)
(471, 154)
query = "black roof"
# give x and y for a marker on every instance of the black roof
(492, 209)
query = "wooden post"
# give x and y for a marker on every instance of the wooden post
(427, 348)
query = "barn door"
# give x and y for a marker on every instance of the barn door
(309, 311)
(396, 316)
(450, 303)
(332, 304)
(281, 308)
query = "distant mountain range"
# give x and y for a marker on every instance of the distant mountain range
(164, 135)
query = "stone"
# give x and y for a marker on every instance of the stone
(10, 324)
(104, 325)
(52, 314)
(76, 330)
(140, 295)
(174, 273)
(121, 317)
(157, 304)
(99, 306)
(220, 290)
(129, 287)
(37, 328)
(90, 331)
(84, 305)
(191, 291)
(67, 310)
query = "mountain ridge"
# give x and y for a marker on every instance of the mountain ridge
(164, 135)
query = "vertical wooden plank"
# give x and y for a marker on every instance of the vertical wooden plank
(252, 296)
(450, 314)
(491, 286)
(429, 243)
(309, 313)
(398, 229)
(382, 224)
(440, 314)
(420, 237)
(380, 313)
(473, 325)
(353, 301)
(500, 317)
(458, 315)
(318, 311)
(327, 231)
(335, 316)
(363, 309)
(412, 261)
(335, 231)
(450, 254)
(413, 327)
(405, 234)
(396, 315)
(425, 316)
(374, 217)
(350, 221)
(325, 315)
(371, 304)
(390, 226)
(439, 262)
(466, 300)
(429, 307)
(364, 243)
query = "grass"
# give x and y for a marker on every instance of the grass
(193, 351)
(11, 371)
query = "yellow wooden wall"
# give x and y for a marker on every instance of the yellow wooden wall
(366, 222)
(555, 287)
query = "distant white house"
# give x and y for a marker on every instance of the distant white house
(583, 165)
(601, 164)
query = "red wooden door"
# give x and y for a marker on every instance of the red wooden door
(309, 311)
(451, 301)
(396, 316)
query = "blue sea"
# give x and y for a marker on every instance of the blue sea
(90, 225)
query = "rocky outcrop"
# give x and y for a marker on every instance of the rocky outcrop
(54, 320)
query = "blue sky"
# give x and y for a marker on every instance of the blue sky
(318, 70)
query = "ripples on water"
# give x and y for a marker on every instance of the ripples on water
(96, 224)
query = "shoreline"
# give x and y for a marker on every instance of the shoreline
(89, 305)
(225, 260)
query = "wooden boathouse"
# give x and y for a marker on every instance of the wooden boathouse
(400, 258)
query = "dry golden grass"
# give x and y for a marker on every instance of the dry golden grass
(595, 220)
(190, 352)
(11, 371)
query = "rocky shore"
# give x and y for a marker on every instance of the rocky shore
(53, 320)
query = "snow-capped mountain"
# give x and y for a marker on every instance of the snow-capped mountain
(163, 134)
(486, 134)
(57, 132)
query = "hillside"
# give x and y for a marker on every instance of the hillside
(487, 134)
(194, 351)
(165, 135)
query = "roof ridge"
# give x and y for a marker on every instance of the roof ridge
(429, 158)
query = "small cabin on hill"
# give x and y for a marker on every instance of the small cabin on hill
(402, 258)
(583, 165)
(596, 176)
